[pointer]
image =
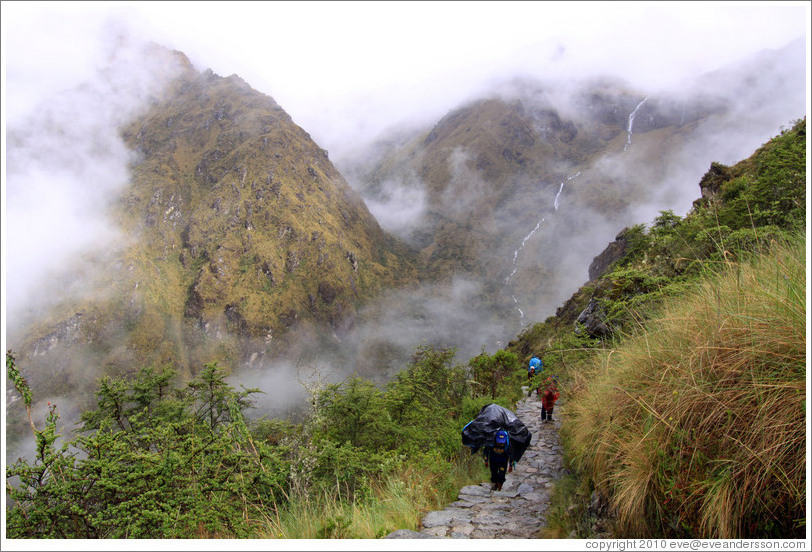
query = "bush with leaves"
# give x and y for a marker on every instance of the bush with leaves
(497, 374)
(151, 461)
(425, 401)
(361, 433)
(414, 412)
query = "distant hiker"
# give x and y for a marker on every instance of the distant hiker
(535, 367)
(548, 399)
(534, 370)
(497, 457)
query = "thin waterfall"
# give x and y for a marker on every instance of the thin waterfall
(561, 189)
(555, 202)
(631, 123)
(521, 312)
(516, 253)
(528, 236)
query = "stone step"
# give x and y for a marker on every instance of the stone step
(518, 511)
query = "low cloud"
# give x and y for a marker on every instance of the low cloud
(400, 205)
(66, 165)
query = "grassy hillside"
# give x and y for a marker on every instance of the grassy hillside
(691, 399)
(696, 423)
(686, 362)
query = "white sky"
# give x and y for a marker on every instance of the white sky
(356, 67)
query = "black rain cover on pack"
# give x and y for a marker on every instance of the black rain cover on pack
(481, 430)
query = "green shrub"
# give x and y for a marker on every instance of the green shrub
(151, 461)
(497, 374)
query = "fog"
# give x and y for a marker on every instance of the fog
(347, 70)
(400, 205)
(349, 73)
(65, 165)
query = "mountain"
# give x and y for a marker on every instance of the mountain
(241, 242)
(236, 229)
(239, 200)
(520, 189)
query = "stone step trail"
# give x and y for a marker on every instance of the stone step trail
(519, 510)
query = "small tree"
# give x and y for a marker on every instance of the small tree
(426, 398)
(489, 372)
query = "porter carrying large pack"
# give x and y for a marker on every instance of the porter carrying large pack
(480, 431)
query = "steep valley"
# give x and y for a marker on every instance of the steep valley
(245, 244)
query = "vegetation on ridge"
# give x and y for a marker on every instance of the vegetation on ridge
(250, 230)
(694, 398)
(696, 422)
(158, 460)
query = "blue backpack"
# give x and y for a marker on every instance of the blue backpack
(501, 442)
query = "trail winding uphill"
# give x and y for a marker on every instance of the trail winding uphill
(519, 510)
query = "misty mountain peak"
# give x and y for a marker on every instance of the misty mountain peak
(236, 239)
(238, 229)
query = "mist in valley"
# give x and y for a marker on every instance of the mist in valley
(722, 117)
(65, 163)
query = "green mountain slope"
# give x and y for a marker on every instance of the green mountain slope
(238, 229)
(685, 364)
(252, 210)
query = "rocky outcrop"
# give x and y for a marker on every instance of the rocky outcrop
(613, 252)
(68, 332)
(592, 320)
(712, 181)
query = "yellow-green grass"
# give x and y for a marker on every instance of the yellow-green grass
(395, 502)
(696, 424)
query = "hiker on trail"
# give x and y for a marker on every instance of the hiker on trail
(497, 457)
(530, 373)
(535, 368)
(548, 399)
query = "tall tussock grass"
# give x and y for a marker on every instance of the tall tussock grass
(695, 425)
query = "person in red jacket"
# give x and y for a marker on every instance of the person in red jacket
(548, 399)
